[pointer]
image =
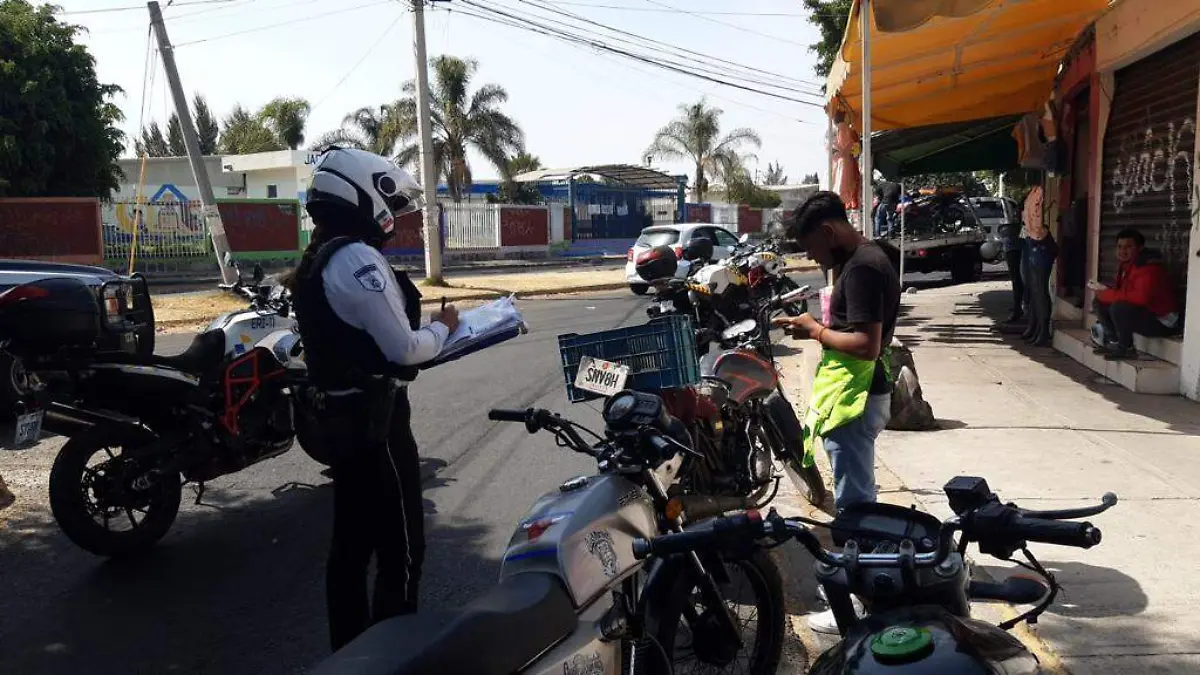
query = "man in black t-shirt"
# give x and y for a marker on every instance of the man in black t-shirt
(863, 309)
(851, 398)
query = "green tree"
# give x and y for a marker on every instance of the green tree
(244, 133)
(286, 117)
(207, 127)
(512, 192)
(461, 120)
(175, 143)
(58, 125)
(810, 179)
(830, 17)
(775, 175)
(371, 129)
(740, 189)
(152, 143)
(696, 136)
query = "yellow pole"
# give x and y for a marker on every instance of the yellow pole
(137, 218)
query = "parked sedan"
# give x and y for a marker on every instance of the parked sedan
(676, 236)
(994, 213)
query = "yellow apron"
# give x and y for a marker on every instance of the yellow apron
(839, 394)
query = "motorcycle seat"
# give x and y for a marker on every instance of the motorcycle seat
(495, 634)
(205, 352)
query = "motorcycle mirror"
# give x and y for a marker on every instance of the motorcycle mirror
(744, 238)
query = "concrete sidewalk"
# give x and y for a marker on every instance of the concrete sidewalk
(1047, 433)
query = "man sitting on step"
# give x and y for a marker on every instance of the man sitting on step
(1141, 302)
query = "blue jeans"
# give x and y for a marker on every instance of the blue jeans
(851, 450)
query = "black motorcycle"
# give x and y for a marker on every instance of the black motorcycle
(137, 424)
(915, 582)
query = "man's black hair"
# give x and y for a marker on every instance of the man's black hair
(1130, 233)
(819, 208)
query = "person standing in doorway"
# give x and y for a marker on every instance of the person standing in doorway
(1040, 252)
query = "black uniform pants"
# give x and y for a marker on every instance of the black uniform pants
(1041, 305)
(377, 511)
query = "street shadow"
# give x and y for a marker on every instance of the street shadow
(1178, 413)
(237, 586)
(1088, 591)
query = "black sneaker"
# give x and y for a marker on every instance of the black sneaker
(1121, 354)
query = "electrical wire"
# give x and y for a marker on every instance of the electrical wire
(131, 8)
(654, 9)
(358, 63)
(526, 23)
(690, 54)
(281, 24)
(726, 23)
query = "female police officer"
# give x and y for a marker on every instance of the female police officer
(360, 324)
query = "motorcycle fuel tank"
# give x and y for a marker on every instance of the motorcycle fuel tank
(747, 375)
(245, 328)
(926, 641)
(583, 532)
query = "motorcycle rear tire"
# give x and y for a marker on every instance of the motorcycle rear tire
(786, 426)
(70, 509)
(767, 586)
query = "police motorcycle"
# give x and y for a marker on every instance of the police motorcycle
(573, 600)
(139, 426)
(913, 579)
(740, 417)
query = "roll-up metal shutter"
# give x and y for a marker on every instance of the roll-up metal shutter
(1150, 155)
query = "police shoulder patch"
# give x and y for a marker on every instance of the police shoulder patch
(370, 278)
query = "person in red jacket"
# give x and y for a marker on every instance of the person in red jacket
(1142, 301)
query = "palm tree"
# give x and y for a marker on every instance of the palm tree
(775, 175)
(460, 121)
(696, 135)
(523, 162)
(286, 117)
(244, 133)
(371, 129)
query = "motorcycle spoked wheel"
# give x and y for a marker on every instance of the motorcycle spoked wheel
(688, 635)
(100, 506)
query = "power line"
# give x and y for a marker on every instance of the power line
(131, 8)
(360, 61)
(525, 23)
(655, 9)
(691, 54)
(726, 23)
(281, 24)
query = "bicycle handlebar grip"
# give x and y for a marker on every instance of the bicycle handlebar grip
(1059, 533)
(501, 415)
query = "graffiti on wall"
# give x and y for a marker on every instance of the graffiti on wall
(1156, 161)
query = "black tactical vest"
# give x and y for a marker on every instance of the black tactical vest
(339, 355)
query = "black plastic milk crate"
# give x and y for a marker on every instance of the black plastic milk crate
(660, 355)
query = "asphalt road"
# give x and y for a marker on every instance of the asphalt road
(237, 586)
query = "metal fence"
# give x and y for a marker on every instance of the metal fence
(725, 214)
(470, 225)
(169, 230)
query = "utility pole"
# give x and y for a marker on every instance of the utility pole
(868, 192)
(208, 203)
(433, 239)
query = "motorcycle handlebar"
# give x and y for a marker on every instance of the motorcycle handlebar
(501, 415)
(727, 529)
(1078, 535)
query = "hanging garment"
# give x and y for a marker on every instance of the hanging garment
(845, 166)
(1030, 148)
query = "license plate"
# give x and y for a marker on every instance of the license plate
(28, 429)
(601, 377)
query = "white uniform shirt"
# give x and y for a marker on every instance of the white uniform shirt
(361, 289)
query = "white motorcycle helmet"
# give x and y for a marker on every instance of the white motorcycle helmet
(372, 186)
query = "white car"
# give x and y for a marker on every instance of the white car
(676, 236)
(994, 213)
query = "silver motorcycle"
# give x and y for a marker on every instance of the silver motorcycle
(573, 599)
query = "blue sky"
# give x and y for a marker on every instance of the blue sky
(577, 106)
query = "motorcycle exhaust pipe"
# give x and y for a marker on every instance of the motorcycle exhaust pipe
(699, 507)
